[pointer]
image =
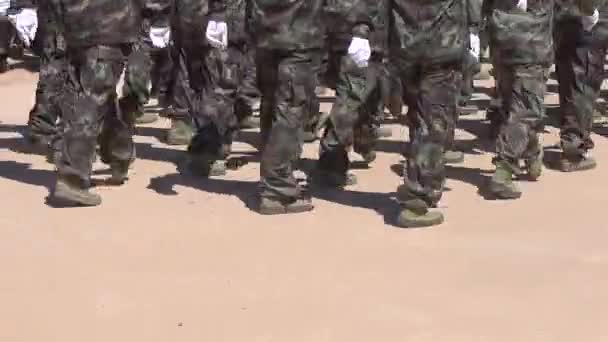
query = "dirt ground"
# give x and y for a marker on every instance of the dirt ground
(175, 258)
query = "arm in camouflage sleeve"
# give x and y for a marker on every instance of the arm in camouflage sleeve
(474, 12)
(217, 10)
(18, 5)
(158, 12)
(587, 7)
(363, 16)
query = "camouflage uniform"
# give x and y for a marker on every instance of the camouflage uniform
(428, 41)
(471, 65)
(354, 117)
(5, 40)
(145, 63)
(50, 46)
(288, 38)
(214, 76)
(100, 36)
(580, 72)
(523, 40)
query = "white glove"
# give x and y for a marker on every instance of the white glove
(160, 37)
(217, 34)
(26, 23)
(522, 5)
(360, 51)
(475, 48)
(589, 22)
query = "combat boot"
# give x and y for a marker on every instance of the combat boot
(501, 184)
(415, 211)
(369, 156)
(599, 115)
(453, 157)
(180, 133)
(119, 173)
(412, 218)
(534, 166)
(272, 206)
(207, 166)
(146, 118)
(384, 132)
(250, 122)
(69, 195)
(3, 64)
(336, 179)
(574, 163)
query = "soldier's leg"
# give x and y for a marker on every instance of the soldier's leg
(181, 130)
(280, 191)
(90, 95)
(5, 39)
(431, 111)
(116, 139)
(214, 115)
(351, 92)
(579, 68)
(493, 113)
(43, 117)
(523, 97)
(248, 94)
(368, 129)
(136, 90)
(310, 133)
(392, 92)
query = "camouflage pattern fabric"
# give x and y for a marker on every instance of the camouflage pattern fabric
(579, 68)
(5, 35)
(354, 115)
(214, 76)
(428, 44)
(284, 80)
(90, 100)
(523, 94)
(430, 93)
(511, 29)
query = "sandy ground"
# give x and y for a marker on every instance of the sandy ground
(174, 258)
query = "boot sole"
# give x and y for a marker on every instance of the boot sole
(177, 142)
(577, 168)
(500, 193)
(285, 210)
(67, 198)
(289, 209)
(405, 223)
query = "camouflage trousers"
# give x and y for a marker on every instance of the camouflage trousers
(50, 47)
(5, 35)
(523, 96)
(91, 114)
(580, 72)
(162, 75)
(354, 118)
(285, 80)
(246, 90)
(136, 90)
(214, 76)
(430, 93)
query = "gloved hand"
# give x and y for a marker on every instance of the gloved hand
(360, 51)
(217, 34)
(160, 37)
(589, 22)
(26, 23)
(475, 48)
(522, 5)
